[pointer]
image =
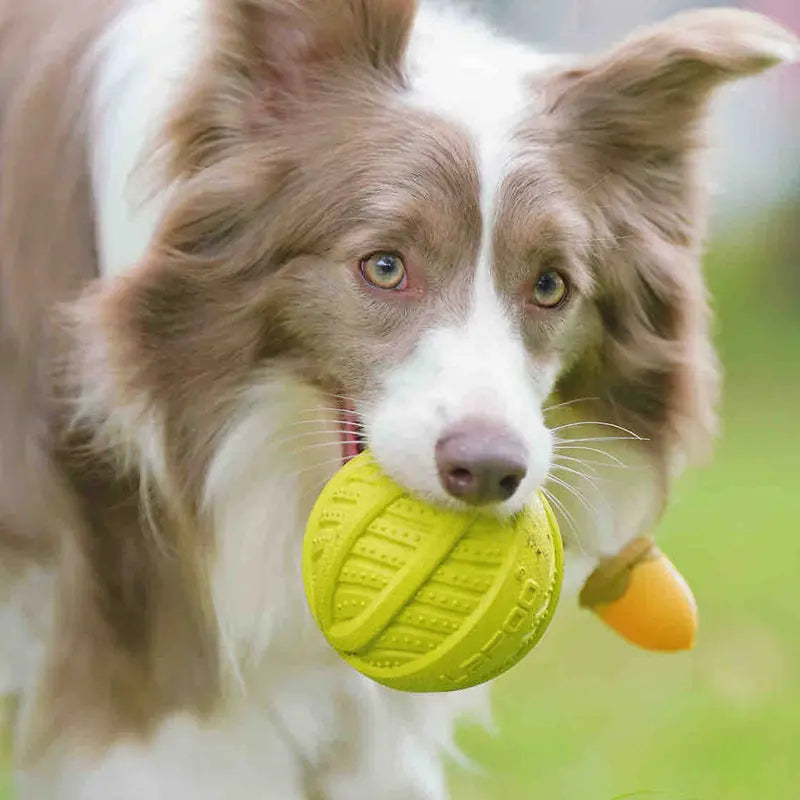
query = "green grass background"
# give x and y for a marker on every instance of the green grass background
(588, 717)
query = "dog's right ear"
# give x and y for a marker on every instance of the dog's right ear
(265, 58)
(651, 91)
(627, 130)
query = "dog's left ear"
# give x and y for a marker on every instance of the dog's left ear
(626, 132)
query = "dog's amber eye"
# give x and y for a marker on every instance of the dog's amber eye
(384, 271)
(550, 290)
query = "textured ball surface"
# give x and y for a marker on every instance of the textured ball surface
(421, 598)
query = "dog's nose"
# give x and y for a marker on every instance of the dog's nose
(480, 464)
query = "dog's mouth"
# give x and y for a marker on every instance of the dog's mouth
(352, 433)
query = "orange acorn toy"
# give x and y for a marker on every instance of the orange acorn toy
(641, 595)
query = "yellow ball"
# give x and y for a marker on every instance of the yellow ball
(421, 598)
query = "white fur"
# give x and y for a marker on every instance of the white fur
(614, 499)
(278, 452)
(185, 761)
(24, 621)
(461, 70)
(308, 726)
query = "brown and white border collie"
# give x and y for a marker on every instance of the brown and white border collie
(239, 239)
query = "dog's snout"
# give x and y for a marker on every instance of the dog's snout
(481, 464)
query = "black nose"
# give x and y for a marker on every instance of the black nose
(480, 464)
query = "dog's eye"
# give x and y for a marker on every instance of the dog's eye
(384, 271)
(550, 290)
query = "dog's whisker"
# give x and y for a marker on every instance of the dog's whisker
(565, 445)
(311, 492)
(331, 409)
(566, 403)
(567, 517)
(339, 394)
(350, 401)
(597, 450)
(306, 430)
(573, 490)
(306, 448)
(300, 423)
(336, 438)
(589, 462)
(567, 442)
(580, 474)
(579, 461)
(345, 423)
(598, 423)
(318, 413)
(328, 462)
(342, 422)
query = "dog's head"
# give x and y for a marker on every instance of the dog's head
(455, 241)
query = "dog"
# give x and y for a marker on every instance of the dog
(240, 240)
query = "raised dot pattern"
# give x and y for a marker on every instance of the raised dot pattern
(435, 614)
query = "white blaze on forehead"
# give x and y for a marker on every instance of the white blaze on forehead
(461, 71)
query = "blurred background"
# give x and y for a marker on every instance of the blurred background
(586, 716)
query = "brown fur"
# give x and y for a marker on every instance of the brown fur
(54, 502)
(42, 223)
(46, 255)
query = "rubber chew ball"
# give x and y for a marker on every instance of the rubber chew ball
(421, 598)
(641, 596)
